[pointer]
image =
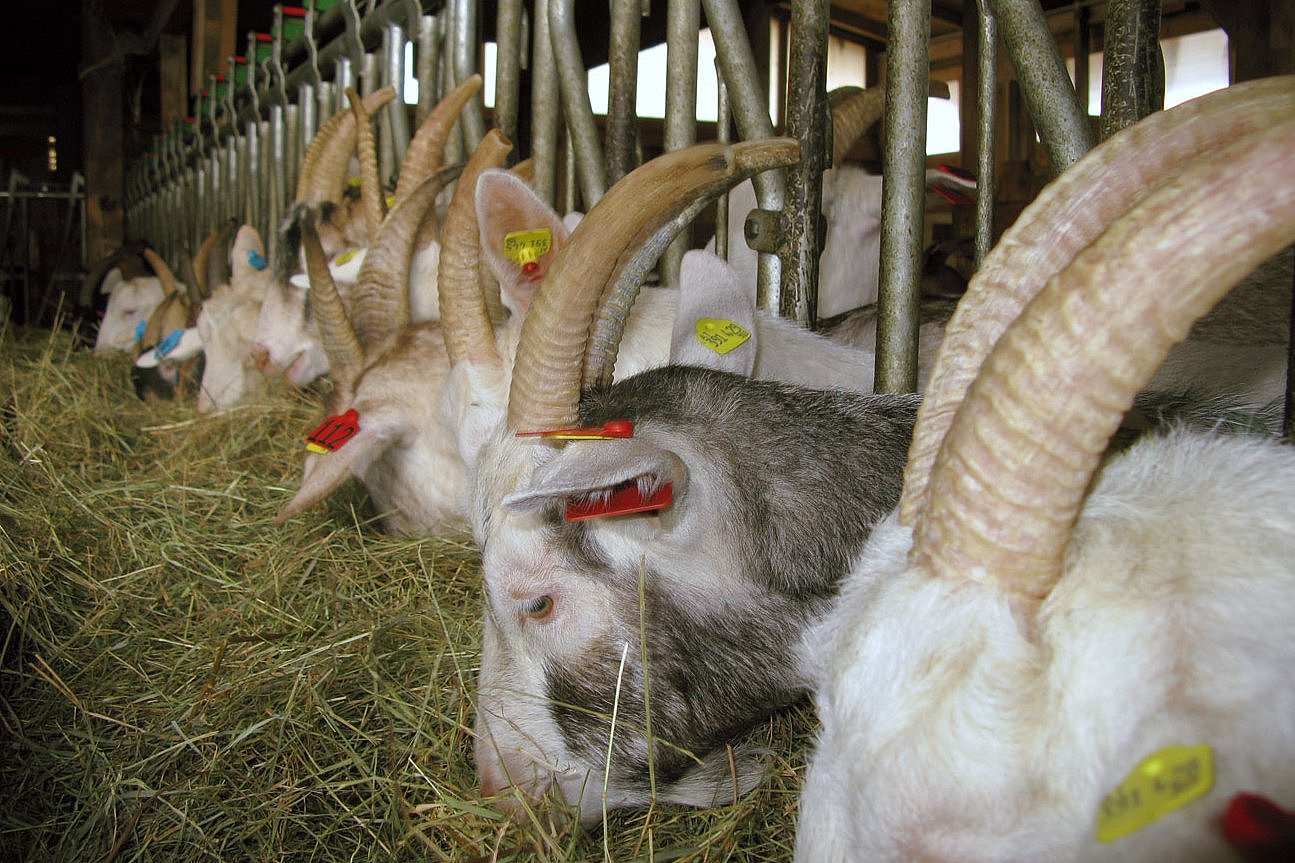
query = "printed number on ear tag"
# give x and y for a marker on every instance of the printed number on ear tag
(333, 432)
(527, 247)
(721, 336)
(1166, 780)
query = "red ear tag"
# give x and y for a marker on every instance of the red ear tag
(624, 499)
(607, 431)
(333, 432)
(1259, 829)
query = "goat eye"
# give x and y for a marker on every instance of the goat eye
(539, 608)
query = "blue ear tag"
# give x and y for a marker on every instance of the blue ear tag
(168, 344)
(255, 261)
(139, 329)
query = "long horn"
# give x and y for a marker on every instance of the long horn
(323, 170)
(371, 202)
(164, 274)
(1010, 478)
(635, 218)
(382, 293)
(345, 356)
(465, 321)
(426, 151)
(1065, 218)
(855, 109)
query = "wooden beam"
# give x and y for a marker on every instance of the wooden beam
(103, 136)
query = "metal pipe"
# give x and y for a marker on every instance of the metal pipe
(546, 108)
(683, 22)
(807, 121)
(1133, 68)
(723, 134)
(765, 226)
(508, 69)
(465, 43)
(429, 67)
(1045, 83)
(574, 86)
(396, 123)
(987, 99)
(903, 195)
(622, 91)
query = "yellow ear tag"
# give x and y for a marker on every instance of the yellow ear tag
(391, 201)
(344, 257)
(353, 182)
(1164, 781)
(719, 335)
(527, 247)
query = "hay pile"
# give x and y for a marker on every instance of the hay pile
(181, 680)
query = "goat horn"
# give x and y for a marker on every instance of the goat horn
(632, 221)
(464, 319)
(323, 170)
(164, 274)
(426, 152)
(855, 109)
(382, 293)
(345, 356)
(1008, 481)
(370, 185)
(1065, 218)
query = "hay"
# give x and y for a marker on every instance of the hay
(181, 680)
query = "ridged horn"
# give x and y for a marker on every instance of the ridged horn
(371, 201)
(382, 292)
(1009, 479)
(1065, 218)
(323, 170)
(636, 218)
(855, 109)
(164, 274)
(465, 321)
(426, 152)
(345, 356)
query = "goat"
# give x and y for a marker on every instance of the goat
(693, 604)
(1036, 660)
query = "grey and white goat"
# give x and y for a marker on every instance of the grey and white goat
(690, 595)
(1040, 657)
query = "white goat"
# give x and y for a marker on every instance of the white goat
(1028, 663)
(130, 302)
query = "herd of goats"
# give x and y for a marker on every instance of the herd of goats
(1020, 646)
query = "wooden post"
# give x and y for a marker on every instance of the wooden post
(175, 92)
(102, 137)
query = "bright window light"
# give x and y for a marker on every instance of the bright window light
(1195, 64)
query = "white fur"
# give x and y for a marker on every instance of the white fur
(953, 730)
(130, 301)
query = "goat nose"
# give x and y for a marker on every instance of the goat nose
(261, 356)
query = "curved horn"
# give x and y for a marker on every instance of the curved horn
(633, 219)
(464, 319)
(382, 293)
(1065, 218)
(371, 202)
(323, 170)
(1008, 482)
(853, 111)
(426, 151)
(345, 356)
(164, 274)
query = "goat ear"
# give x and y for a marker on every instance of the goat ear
(587, 468)
(111, 280)
(506, 205)
(715, 325)
(247, 257)
(712, 783)
(474, 402)
(325, 474)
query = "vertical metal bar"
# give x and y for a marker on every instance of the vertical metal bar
(764, 227)
(574, 85)
(429, 67)
(723, 134)
(395, 123)
(987, 97)
(683, 22)
(252, 214)
(546, 108)
(508, 68)
(807, 122)
(279, 199)
(903, 195)
(1133, 68)
(1045, 83)
(465, 65)
(622, 95)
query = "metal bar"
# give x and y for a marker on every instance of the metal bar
(987, 98)
(508, 69)
(683, 22)
(429, 67)
(764, 227)
(723, 134)
(546, 108)
(396, 121)
(465, 43)
(1133, 68)
(622, 95)
(574, 86)
(1045, 83)
(807, 122)
(903, 195)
